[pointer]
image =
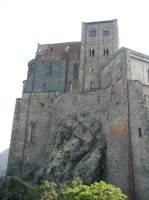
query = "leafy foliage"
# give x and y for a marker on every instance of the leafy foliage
(95, 191)
(76, 191)
(44, 191)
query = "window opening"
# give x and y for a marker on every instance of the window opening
(92, 85)
(33, 133)
(75, 71)
(106, 33)
(50, 70)
(106, 51)
(92, 33)
(140, 132)
(70, 86)
(92, 53)
(92, 71)
(51, 49)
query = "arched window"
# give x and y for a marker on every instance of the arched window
(92, 33)
(92, 53)
(106, 51)
(33, 133)
(75, 71)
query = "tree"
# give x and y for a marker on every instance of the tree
(96, 191)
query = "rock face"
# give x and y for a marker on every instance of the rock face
(77, 148)
(3, 161)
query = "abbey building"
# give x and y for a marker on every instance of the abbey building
(68, 86)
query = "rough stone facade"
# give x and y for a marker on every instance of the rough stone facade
(82, 102)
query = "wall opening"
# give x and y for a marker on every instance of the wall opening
(106, 52)
(92, 53)
(33, 133)
(70, 87)
(105, 33)
(92, 70)
(92, 33)
(140, 132)
(75, 71)
(92, 85)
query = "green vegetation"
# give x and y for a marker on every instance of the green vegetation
(77, 191)
(44, 191)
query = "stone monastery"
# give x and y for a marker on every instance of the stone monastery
(85, 111)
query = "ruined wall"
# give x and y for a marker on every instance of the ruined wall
(46, 76)
(139, 126)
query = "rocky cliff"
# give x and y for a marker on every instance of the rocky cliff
(77, 148)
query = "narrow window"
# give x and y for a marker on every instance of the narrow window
(106, 33)
(140, 132)
(106, 51)
(33, 133)
(51, 49)
(92, 71)
(70, 86)
(75, 71)
(92, 85)
(92, 52)
(50, 70)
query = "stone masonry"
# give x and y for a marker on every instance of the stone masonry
(77, 94)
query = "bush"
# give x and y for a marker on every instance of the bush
(96, 191)
(77, 191)
(44, 191)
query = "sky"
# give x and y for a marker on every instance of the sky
(24, 23)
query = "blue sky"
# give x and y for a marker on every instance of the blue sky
(24, 23)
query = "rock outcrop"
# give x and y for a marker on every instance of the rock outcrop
(77, 148)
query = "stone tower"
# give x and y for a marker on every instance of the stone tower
(99, 42)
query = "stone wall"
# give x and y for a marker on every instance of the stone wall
(139, 128)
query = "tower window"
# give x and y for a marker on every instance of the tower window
(33, 133)
(92, 33)
(106, 33)
(92, 71)
(92, 53)
(106, 51)
(75, 71)
(140, 132)
(70, 87)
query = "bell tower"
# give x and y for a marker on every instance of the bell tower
(98, 43)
